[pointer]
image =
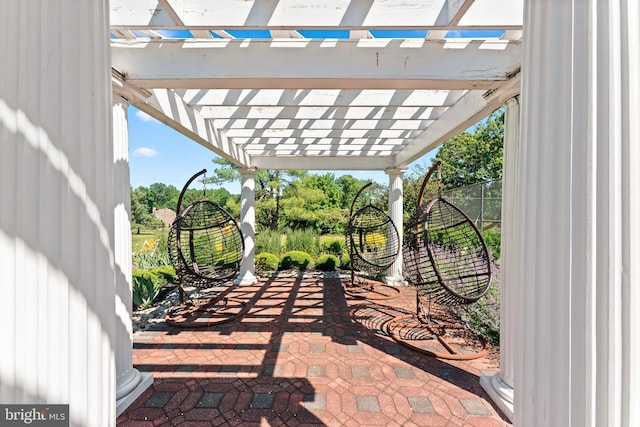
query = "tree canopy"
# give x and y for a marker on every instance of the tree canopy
(295, 199)
(473, 156)
(467, 158)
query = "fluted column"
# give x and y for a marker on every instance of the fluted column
(247, 273)
(58, 334)
(579, 238)
(394, 273)
(129, 382)
(500, 385)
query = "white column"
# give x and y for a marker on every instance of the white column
(500, 385)
(394, 273)
(247, 273)
(579, 239)
(129, 382)
(58, 334)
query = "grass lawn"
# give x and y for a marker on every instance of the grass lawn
(138, 240)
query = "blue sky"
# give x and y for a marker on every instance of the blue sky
(158, 153)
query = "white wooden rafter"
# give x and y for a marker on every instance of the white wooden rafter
(380, 112)
(320, 133)
(322, 124)
(469, 110)
(327, 14)
(167, 107)
(321, 98)
(356, 103)
(171, 11)
(317, 162)
(303, 63)
(456, 10)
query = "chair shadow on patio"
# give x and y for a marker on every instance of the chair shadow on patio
(304, 354)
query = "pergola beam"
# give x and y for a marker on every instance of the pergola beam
(470, 109)
(456, 10)
(232, 112)
(168, 108)
(304, 63)
(283, 162)
(320, 133)
(296, 14)
(254, 142)
(321, 98)
(166, 5)
(322, 124)
(360, 150)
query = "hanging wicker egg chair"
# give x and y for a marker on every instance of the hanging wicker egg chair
(205, 244)
(373, 243)
(444, 254)
(446, 259)
(205, 247)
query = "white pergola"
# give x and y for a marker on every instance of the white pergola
(367, 100)
(330, 85)
(324, 85)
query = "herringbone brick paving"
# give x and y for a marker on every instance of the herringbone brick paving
(304, 355)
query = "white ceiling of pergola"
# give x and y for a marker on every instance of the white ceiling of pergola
(397, 78)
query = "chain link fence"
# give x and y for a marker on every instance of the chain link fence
(482, 202)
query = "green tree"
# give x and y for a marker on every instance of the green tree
(412, 183)
(329, 188)
(473, 156)
(160, 196)
(140, 211)
(269, 187)
(349, 186)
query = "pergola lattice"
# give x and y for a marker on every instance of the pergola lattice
(253, 81)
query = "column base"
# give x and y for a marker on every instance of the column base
(395, 281)
(144, 381)
(500, 393)
(246, 278)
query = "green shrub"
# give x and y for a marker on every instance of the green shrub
(162, 244)
(150, 260)
(327, 262)
(295, 259)
(334, 246)
(303, 240)
(152, 253)
(492, 239)
(345, 262)
(145, 288)
(166, 273)
(229, 259)
(269, 241)
(266, 261)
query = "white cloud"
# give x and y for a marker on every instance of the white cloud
(144, 116)
(145, 152)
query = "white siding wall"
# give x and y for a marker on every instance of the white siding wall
(57, 321)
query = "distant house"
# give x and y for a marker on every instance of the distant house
(166, 215)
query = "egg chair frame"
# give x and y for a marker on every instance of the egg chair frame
(205, 247)
(446, 259)
(373, 244)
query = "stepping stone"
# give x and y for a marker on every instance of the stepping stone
(158, 399)
(210, 400)
(262, 401)
(367, 404)
(420, 405)
(474, 407)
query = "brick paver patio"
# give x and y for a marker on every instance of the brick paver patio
(304, 355)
